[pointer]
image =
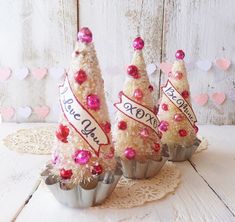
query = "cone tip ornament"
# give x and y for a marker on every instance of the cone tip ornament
(138, 43)
(85, 35)
(179, 54)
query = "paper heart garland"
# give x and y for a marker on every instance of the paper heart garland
(5, 73)
(39, 73)
(165, 67)
(42, 111)
(24, 112)
(231, 95)
(57, 72)
(223, 63)
(218, 97)
(7, 113)
(204, 65)
(151, 68)
(22, 73)
(201, 99)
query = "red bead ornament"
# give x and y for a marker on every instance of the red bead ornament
(80, 76)
(66, 174)
(150, 88)
(81, 157)
(179, 54)
(178, 75)
(93, 102)
(106, 127)
(178, 117)
(138, 94)
(156, 147)
(185, 94)
(165, 107)
(144, 133)
(138, 43)
(132, 70)
(85, 35)
(163, 126)
(130, 153)
(62, 133)
(183, 133)
(122, 125)
(97, 169)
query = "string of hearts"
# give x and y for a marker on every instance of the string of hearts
(37, 73)
(25, 112)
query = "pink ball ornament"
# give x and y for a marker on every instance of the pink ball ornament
(133, 71)
(106, 127)
(178, 117)
(178, 75)
(66, 174)
(80, 76)
(85, 35)
(93, 102)
(185, 94)
(163, 126)
(138, 94)
(156, 147)
(130, 153)
(122, 125)
(138, 43)
(183, 133)
(82, 157)
(97, 169)
(179, 54)
(165, 107)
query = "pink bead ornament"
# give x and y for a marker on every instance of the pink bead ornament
(82, 157)
(156, 147)
(66, 174)
(85, 35)
(122, 125)
(93, 102)
(163, 126)
(185, 94)
(132, 70)
(183, 133)
(165, 107)
(178, 117)
(179, 54)
(138, 43)
(106, 127)
(97, 169)
(130, 153)
(138, 94)
(80, 76)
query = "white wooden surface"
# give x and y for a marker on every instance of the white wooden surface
(204, 194)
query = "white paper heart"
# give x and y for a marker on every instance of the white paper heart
(204, 65)
(24, 112)
(57, 72)
(21, 73)
(151, 68)
(189, 66)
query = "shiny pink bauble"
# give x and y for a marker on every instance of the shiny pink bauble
(179, 54)
(138, 94)
(80, 76)
(178, 75)
(183, 133)
(97, 169)
(178, 117)
(132, 70)
(130, 153)
(138, 43)
(82, 156)
(185, 94)
(66, 174)
(106, 127)
(93, 102)
(156, 147)
(144, 133)
(85, 35)
(122, 125)
(163, 126)
(165, 107)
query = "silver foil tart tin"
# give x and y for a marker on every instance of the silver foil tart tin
(84, 195)
(180, 153)
(134, 169)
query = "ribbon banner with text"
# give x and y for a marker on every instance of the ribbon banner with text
(80, 119)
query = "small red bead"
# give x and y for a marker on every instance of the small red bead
(62, 133)
(185, 94)
(138, 94)
(179, 54)
(132, 70)
(156, 147)
(150, 88)
(183, 133)
(80, 76)
(138, 43)
(165, 107)
(97, 169)
(106, 127)
(122, 125)
(66, 174)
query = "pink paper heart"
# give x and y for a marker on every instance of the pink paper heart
(231, 95)
(57, 72)
(39, 73)
(201, 99)
(5, 73)
(223, 63)
(204, 65)
(42, 111)
(7, 113)
(24, 112)
(165, 67)
(22, 73)
(218, 97)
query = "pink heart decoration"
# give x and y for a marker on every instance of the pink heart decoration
(5, 73)
(165, 67)
(42, 111)
(218, 97)
(7, 113)
(39, 73)
(223, 63)
(22, 73)
(24, 112)
(57, 72)
(201, 99)
(204, 65)
(231, 95)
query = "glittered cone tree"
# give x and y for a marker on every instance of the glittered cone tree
(83, 153)
(177, 119)
(136, 135)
